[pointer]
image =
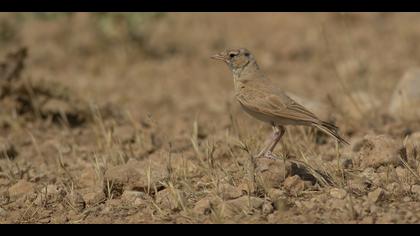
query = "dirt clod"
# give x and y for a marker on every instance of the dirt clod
(338, 193)
(21, 188)
(377, 150)
(272, 172)
(376, 195)
(294, 184)
(136, 175)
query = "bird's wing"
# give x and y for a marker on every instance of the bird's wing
(276, 104)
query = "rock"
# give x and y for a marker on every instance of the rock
(359, 185)
(3, 212)
(244, 203)
(202, 207)
(415, 189)
(367, 220)
(309, 204)
(338, 193)
(173, 199)
(228, 191)
(275, 194)
(271, 173)
(394, 188)
(376, 150)
(358, 104)
(131, 196)
(134, 175)
(88, 178)
(50, 189)
(139, 202)
(294, 184)
(93, 198)
(7, 149)
(281, 204)
(247, 187)
(346, 163)
(376, 195)
(406, 199)
(405, 100)
(21, 188)
(387, 174)
(59, 219)
(279, 199)
(402, 173)
(267, 208)
(48, 194)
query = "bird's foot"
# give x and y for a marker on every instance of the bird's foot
(269, 155)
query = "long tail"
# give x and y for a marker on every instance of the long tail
(331, 130)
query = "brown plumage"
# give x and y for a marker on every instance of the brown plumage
(259, 97)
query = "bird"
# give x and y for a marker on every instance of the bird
(263, 100)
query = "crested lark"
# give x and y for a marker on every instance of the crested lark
(260, 98)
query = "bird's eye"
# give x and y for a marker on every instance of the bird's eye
(247, 54)
(231, 55)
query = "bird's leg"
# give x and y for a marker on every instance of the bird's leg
(279, 132)
(269, 143)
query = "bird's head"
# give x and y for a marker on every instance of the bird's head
(236, 59)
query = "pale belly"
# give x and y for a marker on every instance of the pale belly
(272, 119)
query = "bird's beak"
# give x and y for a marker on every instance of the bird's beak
(219, 57)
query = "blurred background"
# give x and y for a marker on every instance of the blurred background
(160, 61)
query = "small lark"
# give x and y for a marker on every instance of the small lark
(260, 98)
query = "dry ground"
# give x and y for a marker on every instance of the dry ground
(123, 118)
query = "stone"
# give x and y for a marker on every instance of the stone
(376, 195)
(228, 191)
(271, 173)
(247, 187)
(267, 208)
(88, 178)
(131, 196)
(244, 203)
(50, 189)
(402, 173)
(376, 150)
(3, 212)
(48, 194)
(405, 100)
(294, 184)
(202, 207)
(21, 188)
(338, 193)
(275, 193)
(281, 204)
(346, 163)
(415, 189)
(394, 188)
(173, 199)
(136, 175)
(93, 198)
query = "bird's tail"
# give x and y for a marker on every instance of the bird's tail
(331, 130)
